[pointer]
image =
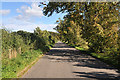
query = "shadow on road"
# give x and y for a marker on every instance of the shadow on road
(78, 56)
(61, 45)
(68, 54)
(97, 75)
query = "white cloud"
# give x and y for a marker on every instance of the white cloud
(18, 10)
(24, 19)
(28, 13)
(4, 12)
(30, 27)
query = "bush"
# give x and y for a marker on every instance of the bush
(21, 48)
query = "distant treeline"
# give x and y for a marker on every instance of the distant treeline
(21, 41)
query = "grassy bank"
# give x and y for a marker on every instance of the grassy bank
(103, 57)
(10, 68)
(107, 58)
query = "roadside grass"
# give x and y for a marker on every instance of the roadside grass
(112, 61)
(79, 48)
(106, 58)
(11, 67)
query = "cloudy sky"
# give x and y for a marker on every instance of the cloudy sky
(26, 16)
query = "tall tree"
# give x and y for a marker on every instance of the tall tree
(97, 20)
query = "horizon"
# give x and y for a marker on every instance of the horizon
(27, 16)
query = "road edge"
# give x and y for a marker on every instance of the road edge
(25, 70)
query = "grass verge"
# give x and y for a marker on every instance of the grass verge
(21, 73)
(12, 67)
(110, 60)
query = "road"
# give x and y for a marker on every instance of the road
(63, 61)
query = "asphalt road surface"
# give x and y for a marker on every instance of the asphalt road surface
(63, 61)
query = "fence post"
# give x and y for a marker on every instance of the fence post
(15, 53)
(10, 55)
(19, 50)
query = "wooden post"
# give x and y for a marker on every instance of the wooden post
(10, 55)
(19, 50)
(14, 52)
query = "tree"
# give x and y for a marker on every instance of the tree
(97, 21)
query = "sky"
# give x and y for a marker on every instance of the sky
(26, 16)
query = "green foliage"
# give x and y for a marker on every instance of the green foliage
(44, 39)
(101, 26)
(93, 24)
(79, 48)
(20, 48)
(10, 68)
(70, 32)
(98, 22)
